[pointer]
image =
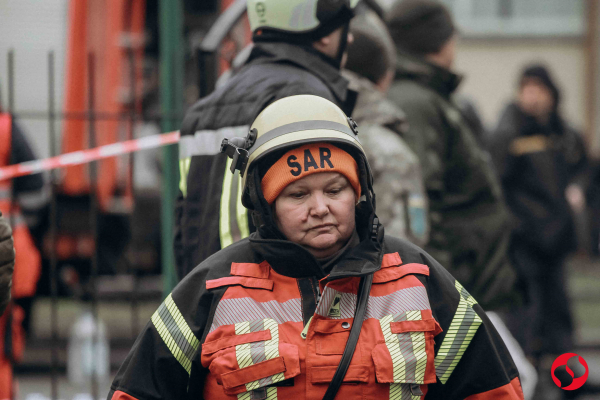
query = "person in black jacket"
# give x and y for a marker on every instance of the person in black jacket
(537, 156)
(319, 300)
(295, 52)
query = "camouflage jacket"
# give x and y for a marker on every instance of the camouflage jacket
(398, 182)
(470, 225)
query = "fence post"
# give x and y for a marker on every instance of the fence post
(171, 98)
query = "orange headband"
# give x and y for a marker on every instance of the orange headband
(306, 160)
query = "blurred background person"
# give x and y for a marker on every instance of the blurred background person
(288, 58)
(538, 155)
(22, 200)
(398, 182)
(470, 225)
(469, 220)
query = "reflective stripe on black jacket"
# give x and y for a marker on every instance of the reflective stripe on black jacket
(209, 214)
(248, 323)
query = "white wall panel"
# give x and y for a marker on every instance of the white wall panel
(32, 28)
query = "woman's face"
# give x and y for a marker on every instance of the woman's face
(317, 212)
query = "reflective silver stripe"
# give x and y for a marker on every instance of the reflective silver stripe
(409, 299)
(233, 311)
(301, 126)
(208, 142)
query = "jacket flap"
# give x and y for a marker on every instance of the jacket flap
(330, 325)
(251, 270)
(425, 325)
(391, 274)
(355, 373)
(252, 373)
(240, 280)
(230, 341)
(391, 260)
(237, 372)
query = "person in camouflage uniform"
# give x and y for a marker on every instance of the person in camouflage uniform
(398, 181)
(470, 225)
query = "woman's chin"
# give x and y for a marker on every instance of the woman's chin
(324, 245)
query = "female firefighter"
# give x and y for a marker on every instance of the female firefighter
(318, 301)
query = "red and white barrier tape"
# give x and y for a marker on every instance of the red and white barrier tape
(86, 156)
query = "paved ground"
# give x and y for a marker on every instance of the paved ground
(584, 287)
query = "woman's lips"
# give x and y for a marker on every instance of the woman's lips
(323, 226)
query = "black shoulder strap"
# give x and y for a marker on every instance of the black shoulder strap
(364, 288)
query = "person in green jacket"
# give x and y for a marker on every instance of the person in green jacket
(470, 226)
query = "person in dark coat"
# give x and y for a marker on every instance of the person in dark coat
(295, 52)
(470, 225)
(537, 156)
(318, 286)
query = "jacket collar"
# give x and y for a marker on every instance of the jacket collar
(309, 59)
(441, 80)
(290, 259)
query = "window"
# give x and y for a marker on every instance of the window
(506, 18)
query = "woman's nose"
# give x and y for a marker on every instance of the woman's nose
(319, 206)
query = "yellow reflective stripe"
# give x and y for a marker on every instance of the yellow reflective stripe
(418, 342)
(458, 337)
(184, 169)
(464, 294)
(224, 228)
(242, 213)
(171, 343)
(305, 330)
(272, 346)
(243, 353)
(393, 345)
(183, 326)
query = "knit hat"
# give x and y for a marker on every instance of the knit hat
(541, 73)
(306, 160)
(420, 27)
(372, 53)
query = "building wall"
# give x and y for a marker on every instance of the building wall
(492, 68)
(32, 28)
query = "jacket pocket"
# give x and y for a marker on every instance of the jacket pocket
(331, 335)
(255, 365)
(406, 354)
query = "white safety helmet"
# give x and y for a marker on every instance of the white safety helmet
(291, 122)
(314, 18)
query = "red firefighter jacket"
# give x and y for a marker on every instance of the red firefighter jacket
(253, 322)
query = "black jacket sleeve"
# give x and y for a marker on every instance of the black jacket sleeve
(477, 361)
(164, 362)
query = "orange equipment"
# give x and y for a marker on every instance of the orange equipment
(112, 30)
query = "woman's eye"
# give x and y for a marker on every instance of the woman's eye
(335, 190)
(297, 195)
